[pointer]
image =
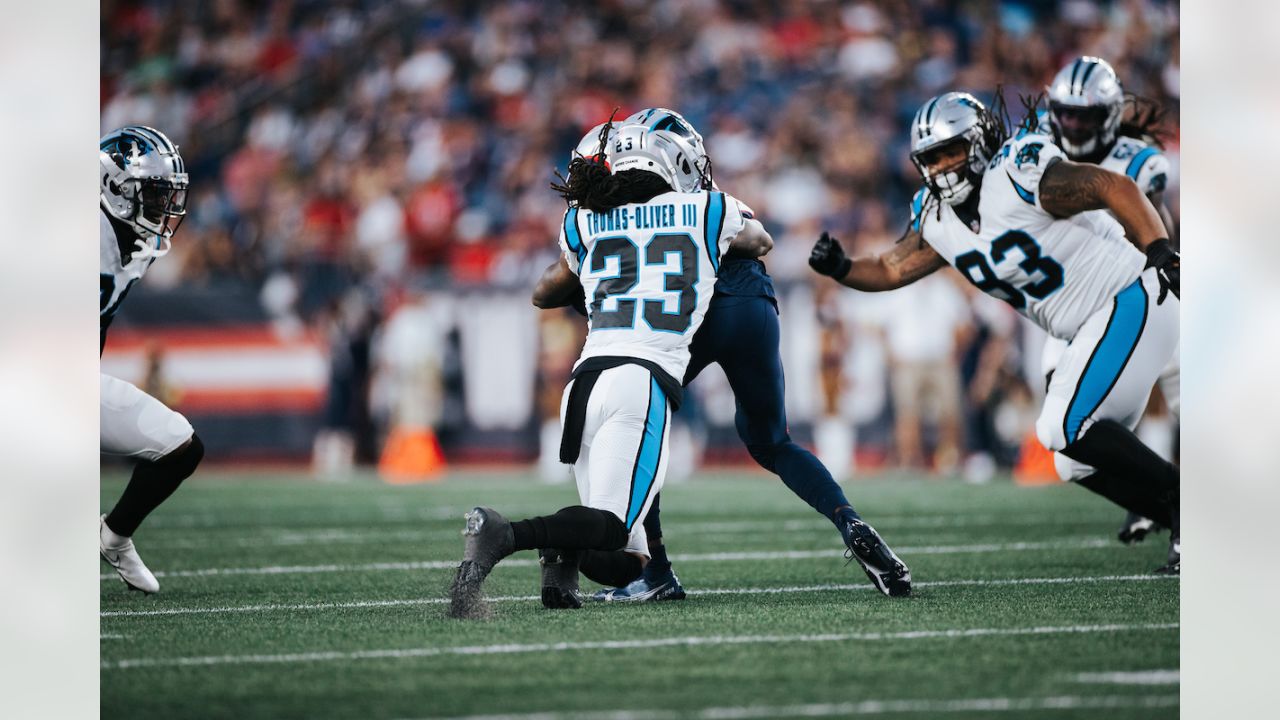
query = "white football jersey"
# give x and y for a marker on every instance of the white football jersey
(649, 270)
(1140, 160)
(116, 273)
(1056, 272)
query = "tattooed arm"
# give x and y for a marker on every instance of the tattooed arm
(1069, 188)
(909, 260)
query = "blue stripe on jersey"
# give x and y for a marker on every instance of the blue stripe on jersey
(917, 206)
(1023, 193)
(645, 471)
(1135, 165)
(572, 237)
(1109, 358)
(713, 223)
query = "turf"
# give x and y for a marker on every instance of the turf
(1019, 591)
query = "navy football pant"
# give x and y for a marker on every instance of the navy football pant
(742, 335)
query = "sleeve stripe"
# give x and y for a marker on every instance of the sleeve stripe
(571, 235)
(917, 204)
(713, 212)
(1135, 165)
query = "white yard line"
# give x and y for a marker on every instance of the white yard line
(1141, 677)
(410, 602)
(706, 641)
(291, 536)
(865, 707)
(1076, 544)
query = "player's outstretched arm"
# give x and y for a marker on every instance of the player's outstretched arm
(910, 259)
(559, 287)
(752, 242)
(1068, 188)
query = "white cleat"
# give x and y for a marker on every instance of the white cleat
(124, 558)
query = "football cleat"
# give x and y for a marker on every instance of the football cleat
(646, 588)
(1136, 528)
(124, 558)
(886, 571)
(559, 580)
(489, 538)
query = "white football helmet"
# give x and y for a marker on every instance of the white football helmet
(143, 181)
(954, 117)
(589, 145)
(670, 151)
(1086, 102)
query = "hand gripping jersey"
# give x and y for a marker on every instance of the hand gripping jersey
(117, 269)
(649, 270)
(1056, 272)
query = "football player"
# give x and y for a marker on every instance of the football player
(1020, 221)
(741, 333)
(1086, 117)
(645, 238)
(143, 200)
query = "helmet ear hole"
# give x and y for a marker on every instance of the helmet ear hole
(685, 167)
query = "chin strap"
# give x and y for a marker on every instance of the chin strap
(146, 251)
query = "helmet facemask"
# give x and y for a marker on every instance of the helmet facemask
(162, 204)
(948, 169)
(1082, 131)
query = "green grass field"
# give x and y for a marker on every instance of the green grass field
(283, 597)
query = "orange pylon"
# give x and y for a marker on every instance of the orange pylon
(411, 455)
(1035, 463)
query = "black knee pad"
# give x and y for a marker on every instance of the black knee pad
(181, 463)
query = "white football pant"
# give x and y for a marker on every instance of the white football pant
(1108, 369)
(134, 424)
(623, 461)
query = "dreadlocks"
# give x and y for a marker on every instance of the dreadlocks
(591, 185)
(1143, 119)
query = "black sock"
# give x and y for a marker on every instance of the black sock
(658, 557)
(573, 528)
(151, 484)
(611, 569)
(652, 521)
(1115, 449)
(1128, 495)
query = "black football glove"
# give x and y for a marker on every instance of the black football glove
(828, 257)
(1167, 262)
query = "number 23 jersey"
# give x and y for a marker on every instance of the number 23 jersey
(1055, 271)
(649, 271)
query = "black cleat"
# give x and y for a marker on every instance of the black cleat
(1136, 528)
(886, 571)
(559, 580)
(489, 539)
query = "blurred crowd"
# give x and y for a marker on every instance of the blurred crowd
(387, 147)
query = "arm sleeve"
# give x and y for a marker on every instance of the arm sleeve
(917, 208)
(571, 244)
(1025, 165)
